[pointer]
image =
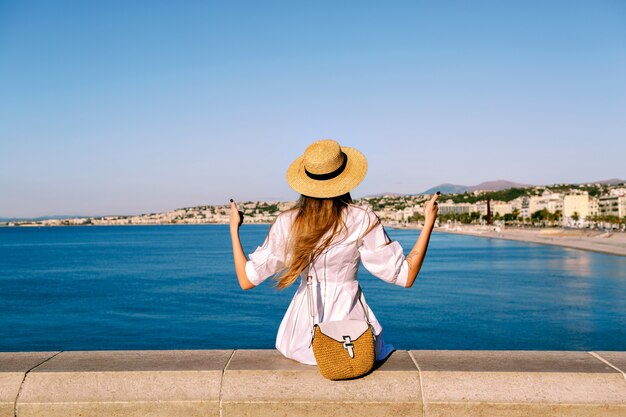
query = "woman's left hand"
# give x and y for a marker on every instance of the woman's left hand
(236, 216)
(431, 209)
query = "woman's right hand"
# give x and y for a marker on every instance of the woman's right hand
(236, 216)
(415, 258)
(431, 209)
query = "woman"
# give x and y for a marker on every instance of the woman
(325, 236)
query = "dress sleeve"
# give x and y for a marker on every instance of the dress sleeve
(380, 255)
(269, 258)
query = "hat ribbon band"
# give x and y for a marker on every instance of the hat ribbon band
(330, 175)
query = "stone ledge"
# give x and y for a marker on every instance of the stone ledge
(125, 383)
(519, 383)
(13, 368)
(264, 383)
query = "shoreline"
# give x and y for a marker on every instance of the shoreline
(610, 243)
(121, 224)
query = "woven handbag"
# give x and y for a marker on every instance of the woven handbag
(343, 349)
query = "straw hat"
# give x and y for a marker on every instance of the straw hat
(327, 170)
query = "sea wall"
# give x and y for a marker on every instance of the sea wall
(264, 383)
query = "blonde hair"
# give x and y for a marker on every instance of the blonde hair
(314, 219)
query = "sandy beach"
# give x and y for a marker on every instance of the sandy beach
(613, 243)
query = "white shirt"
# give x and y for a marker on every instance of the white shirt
(335, 285)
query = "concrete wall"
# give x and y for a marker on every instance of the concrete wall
(264, 383)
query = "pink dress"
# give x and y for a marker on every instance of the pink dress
(335, 285)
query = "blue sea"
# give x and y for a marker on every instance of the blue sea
(174, 287)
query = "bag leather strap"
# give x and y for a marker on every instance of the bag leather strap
(309, 284)
(309, 289)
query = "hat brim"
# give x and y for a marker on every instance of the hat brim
(350, 177)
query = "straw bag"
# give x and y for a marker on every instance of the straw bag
(343, 349)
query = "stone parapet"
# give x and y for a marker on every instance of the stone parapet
(264, 383)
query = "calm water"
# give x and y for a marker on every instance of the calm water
(173, 287)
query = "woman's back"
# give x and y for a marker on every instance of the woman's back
(363, 238)
(335, 286)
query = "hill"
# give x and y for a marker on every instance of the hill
(499, 185)
(496, 185)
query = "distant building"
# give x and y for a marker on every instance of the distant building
(497, 207)
(612, 205)
(530, 205)
(517, 203)
(286, 205)
(525, 209)
(406, 213)
(501, 208)
(594, 206)
(450, 207)
(549, 201)
(576, 202)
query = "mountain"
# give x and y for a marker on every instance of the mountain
(384, 194)
(447, 189)
(501, 185)
(486, 185)
(497, 185)
(612, 181)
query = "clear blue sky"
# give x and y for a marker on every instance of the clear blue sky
(114, 107)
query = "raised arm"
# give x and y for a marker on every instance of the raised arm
(415, 258)
(236, 219)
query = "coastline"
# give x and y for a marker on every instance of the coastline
(611, 243)
(123, 224)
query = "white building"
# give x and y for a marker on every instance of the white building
(450, 207)
(612, 205)
(532, 204)
(501, 208)
(517, 203)
(549, 201)
(594, 206)
(576, 202)
(618, 191)
(497, 207)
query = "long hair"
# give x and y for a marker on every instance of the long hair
(314, 219)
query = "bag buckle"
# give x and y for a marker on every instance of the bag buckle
(348, 345)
